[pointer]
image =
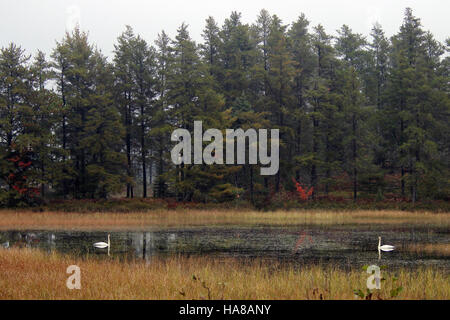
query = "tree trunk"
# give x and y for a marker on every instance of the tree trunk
(251, 184)
(143, 155)
(354, 156)
(128, 123)
(315, 149)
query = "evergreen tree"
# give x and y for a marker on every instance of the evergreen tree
(379, 52)
(323, 110)
(280, 102)
(92, 168)
(210, 48)
(192, 97)
(351, 48)
(300, 45)
(161, 128)
(413, 103)
(16, 147)
(43, 116)
(123, 97)
(237, 56)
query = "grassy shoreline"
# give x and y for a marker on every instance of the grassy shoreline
(32, 274)
(26, 219)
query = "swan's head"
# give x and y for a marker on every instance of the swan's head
(379, 238)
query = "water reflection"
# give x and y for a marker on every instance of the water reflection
(342, 246)
(143, 244)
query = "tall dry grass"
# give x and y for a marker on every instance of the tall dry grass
(32, 274)
(19, 219)
(442, 249)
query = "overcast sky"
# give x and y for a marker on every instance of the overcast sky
(36, 24)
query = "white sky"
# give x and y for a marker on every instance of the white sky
(36, 24)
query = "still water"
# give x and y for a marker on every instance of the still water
(345, 246)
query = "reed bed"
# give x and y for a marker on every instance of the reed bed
(33, 274)
(23, 219)
(442, 249)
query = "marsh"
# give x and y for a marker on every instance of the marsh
(342, 242)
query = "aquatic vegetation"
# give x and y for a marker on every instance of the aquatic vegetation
(442, 249)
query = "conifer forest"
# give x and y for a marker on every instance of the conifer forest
(359, 116)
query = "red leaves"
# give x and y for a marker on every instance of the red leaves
(19, 189)
(304, 195)
(34, 191)
(18, 180)
(31, 192)
(14, 159)
(24, 164)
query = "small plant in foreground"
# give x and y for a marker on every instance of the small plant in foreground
(204, 285)
(371, 294)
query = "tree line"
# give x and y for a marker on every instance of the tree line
(365, 115)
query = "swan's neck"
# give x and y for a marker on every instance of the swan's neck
(108, 240)
(379, 243)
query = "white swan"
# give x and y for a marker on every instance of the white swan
(102, 244)
(385, 247)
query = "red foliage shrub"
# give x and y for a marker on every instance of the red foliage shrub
(302, 192)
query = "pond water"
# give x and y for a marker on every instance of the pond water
(345, 246)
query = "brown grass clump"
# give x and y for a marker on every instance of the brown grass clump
(20, 219)
(33, 274)
(442, 249)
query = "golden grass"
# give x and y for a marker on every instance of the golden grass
(442, 249)
(22, 219)
(32, 274)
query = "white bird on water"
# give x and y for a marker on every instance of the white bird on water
(384, 247)
(102, 244)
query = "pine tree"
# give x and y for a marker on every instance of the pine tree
(192, 96)
(323, 109)
(261, 32)
(379, 51)
(16, 146)
(300, 45)
(142, 70)
(123, 97)
(85, 92)
(42, 121)
(280, 75)
(102, 131)
(14, 82)
(413, 102)
(60, 66)
(210, 48)
(160, 127)
(351, 48)
(237, 56)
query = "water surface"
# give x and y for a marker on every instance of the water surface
(345, 246)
